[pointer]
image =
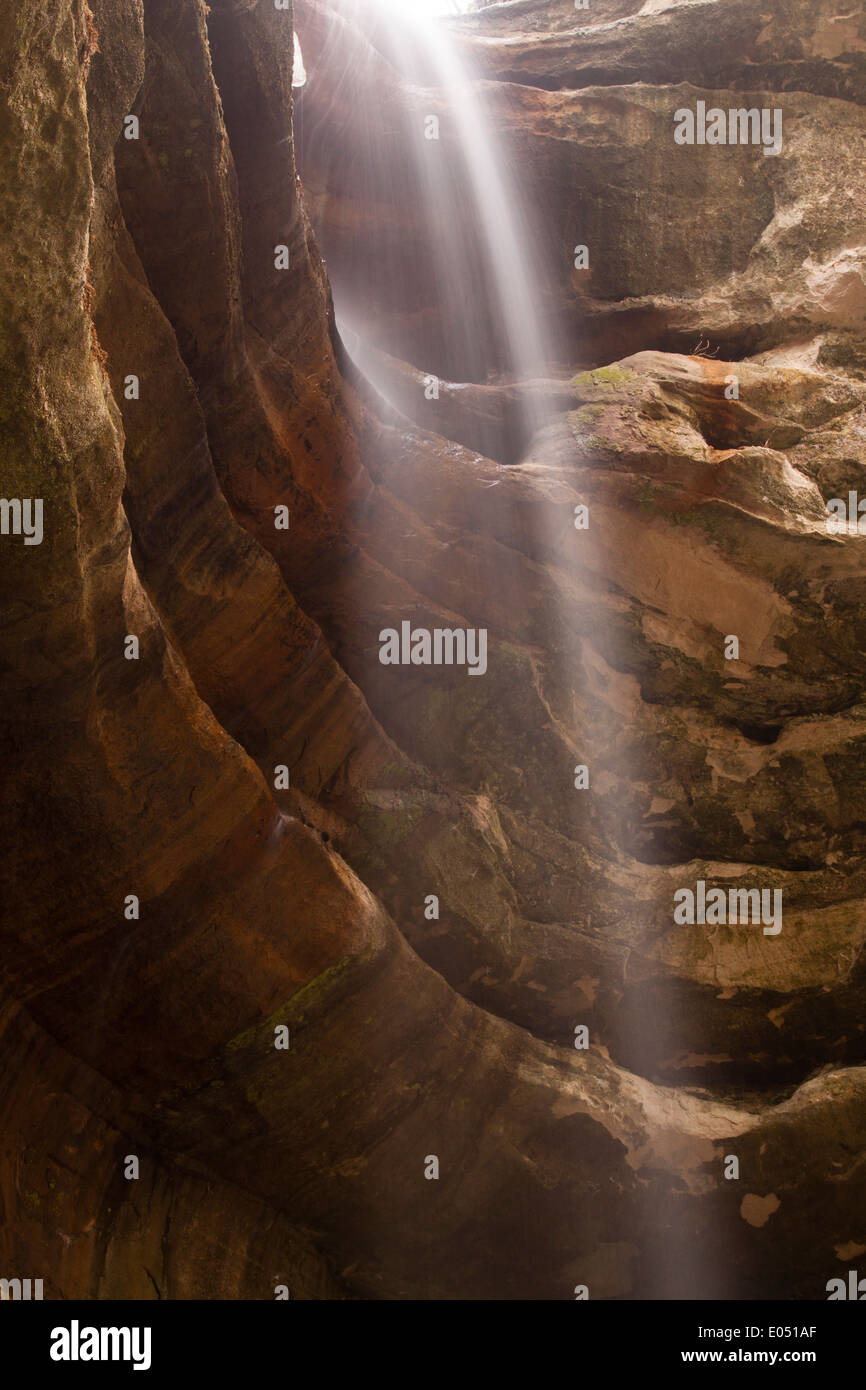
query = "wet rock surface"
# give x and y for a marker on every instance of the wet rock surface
(303, 907)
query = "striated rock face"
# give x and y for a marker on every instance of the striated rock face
(735, 248)
(166, 387)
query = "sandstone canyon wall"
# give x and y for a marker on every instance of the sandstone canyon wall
(168, 389)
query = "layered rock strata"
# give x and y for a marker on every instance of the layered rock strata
(262, 908)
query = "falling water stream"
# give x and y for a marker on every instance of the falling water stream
(479, 227)
(481, 235)
(497, 203)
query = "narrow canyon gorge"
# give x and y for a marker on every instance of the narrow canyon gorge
(433, 649)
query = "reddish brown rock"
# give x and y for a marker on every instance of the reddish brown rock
(411, 1037)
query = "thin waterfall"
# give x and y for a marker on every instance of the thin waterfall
(479, 246)
(480, 236)
(498, 205)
